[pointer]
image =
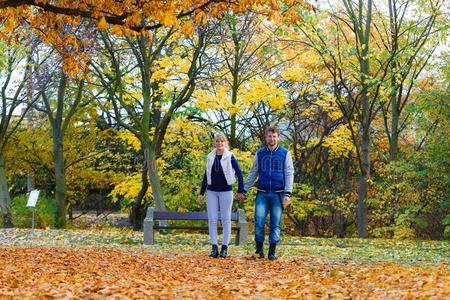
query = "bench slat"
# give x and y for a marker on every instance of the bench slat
(189, 227)
(150, 225)
(192, 215)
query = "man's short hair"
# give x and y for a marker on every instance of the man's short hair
(273, 129)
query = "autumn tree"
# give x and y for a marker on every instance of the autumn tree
(241, 92)
(61, 85)
(88, 152)
(243, 46)
(145, 101)
(410, 33)
(15, 101)
(321, 144)
(357, 76)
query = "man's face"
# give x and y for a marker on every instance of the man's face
(272, 139)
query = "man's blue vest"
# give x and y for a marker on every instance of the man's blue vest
(271, 165)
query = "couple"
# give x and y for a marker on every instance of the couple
(273, 165)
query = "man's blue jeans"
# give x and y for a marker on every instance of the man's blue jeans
(268, 202)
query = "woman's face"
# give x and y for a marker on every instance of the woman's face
(220, 144)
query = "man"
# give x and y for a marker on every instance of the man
(273, 165)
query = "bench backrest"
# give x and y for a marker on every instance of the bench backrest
(191, 215)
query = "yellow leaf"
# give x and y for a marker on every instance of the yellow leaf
(187, 29)
(102, 25)
(10, 24)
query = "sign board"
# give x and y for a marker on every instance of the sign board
(34, 194)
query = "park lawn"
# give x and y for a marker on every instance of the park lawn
(100, 264)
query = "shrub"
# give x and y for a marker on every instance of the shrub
(45, 212)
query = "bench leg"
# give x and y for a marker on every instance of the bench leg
(242, 234)
(148, 232)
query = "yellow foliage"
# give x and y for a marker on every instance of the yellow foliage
(187, 29)
(200, 17)
(170, 20)
(313, 142)
(128, 187)
(117, 30)
(10, 24)
(31, 153)
(296, 73)
(131, 140)
(339, 142)
(102, 25)
(259, 89)
(218, 99)
(254, 91)
(170, 72)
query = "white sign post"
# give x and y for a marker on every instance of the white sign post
(32, 200)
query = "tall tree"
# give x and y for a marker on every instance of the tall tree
(61, 86)
(345, 42)
(68, 100)
(244, 47)
(412, 38)
(165, 68)
(240, 91)
(15, 75)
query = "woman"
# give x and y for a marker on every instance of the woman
(221, 168)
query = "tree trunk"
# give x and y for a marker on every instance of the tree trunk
(70, 213)
(155, 183)
(340, 222)
(361, 210)
(393, 143)
(365, 167)
(30, 185)
(233, 118)
(233, 140)
(137, 211)
(393, 140)
(60, 179)
(5, 200)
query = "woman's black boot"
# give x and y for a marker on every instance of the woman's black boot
(214, 251)
(224, 251)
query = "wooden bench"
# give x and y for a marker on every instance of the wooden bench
(152, 216)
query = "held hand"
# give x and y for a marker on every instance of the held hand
(287, 201)
(239, 196)
(200, 199)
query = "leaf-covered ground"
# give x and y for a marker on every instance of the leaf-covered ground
(83, 264)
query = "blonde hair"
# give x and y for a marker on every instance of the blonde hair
(222, 137)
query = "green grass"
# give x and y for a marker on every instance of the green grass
(324, 249)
